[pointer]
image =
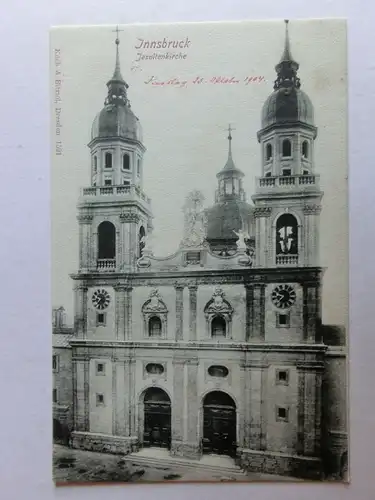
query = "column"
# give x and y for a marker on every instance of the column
(84, 221)
(120, 312)
(79, 409)
(301, 412)
(309, 412)
(178, 407)
(132, 402)
(255, 311)
(310, 310)
(86, 388)
(256, 407)
(243, 412)
(179, 312)
(127, 380)
(192, 409)
(128, 313)
(75, 393)
(114, 395)
(249, 312)
(263, 409)
(80, 320)
(193, 312)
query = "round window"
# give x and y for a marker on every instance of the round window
(218, 371)
(154, 369)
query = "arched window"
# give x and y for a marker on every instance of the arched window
(287, 148)
(108, 160)
(287, 235)
(126, 162)
(141, 241)
(305, 149)
(106, 240)
(268, 152)
(154, 326)
(218, 327)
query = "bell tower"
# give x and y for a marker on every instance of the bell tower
(288, 196)
(113, 212)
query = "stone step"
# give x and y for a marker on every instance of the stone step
(172, 462)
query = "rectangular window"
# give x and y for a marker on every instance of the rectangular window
(100, 319)
(126, 183)
(282, 320)
(100, 400)
(287, 172)
(55, 363)
(100, 368)
(282, 413)
(282, 377)
(108, 181)
(54, 395)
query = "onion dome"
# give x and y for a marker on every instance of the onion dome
(117, 119)
(230, 213)
(288, 103)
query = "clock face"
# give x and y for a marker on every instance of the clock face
(283, 296)
(101, 299)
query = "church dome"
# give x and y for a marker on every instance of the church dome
(226, 217)
(286, 105)
(116, 121)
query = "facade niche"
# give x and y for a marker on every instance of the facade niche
(287, 235)
(155, 314)
(218, 313)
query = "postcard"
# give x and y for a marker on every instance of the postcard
(200, 252)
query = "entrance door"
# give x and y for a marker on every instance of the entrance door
(157, 418)
(219, 424)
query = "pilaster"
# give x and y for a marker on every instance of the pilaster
(193, 312)
(179, 312)
(192, 409)
(178, 407)
(257, 314)
(81, 311)
(86, 374)
(310, 309)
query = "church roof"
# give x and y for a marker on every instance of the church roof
(116, 119)
(61, 340)
(226, 217)
(288, 103)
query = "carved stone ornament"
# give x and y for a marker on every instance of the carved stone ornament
(155, 306)
(218, 304)
(84, 218)
(262, 212)
(312, 209)
(154, 303)
(194, 221)
(129, 217)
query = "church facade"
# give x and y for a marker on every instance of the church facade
(218, 348)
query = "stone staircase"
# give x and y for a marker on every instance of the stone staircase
(221, 466)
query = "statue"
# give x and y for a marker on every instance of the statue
(146, 245)
(242, 236)
(194, 220)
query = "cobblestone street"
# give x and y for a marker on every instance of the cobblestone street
(77, 466)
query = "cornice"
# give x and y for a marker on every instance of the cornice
(204, 346)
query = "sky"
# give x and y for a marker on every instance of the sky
(184, 126)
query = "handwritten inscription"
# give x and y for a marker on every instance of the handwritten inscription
(215, 80)
(58, 101)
